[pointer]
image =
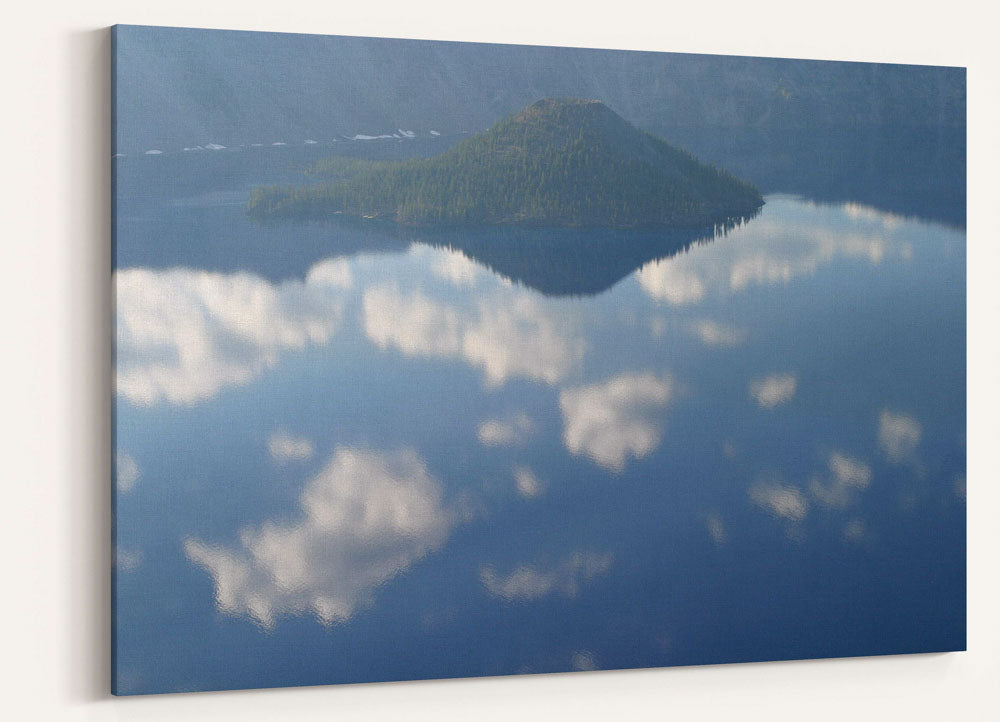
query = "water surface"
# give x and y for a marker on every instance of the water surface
(347, 453)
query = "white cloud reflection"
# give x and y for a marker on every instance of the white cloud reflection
(182, 335)
(773, 390)
(504, 432)
(716, 529)
(859, 211)
(793, 257)
(456, 267)
(528, 485)
(781, 500)
(669, 280)
(847, 476)
(766, 252)
(898, 434)
(531, 581)
(720, 335)
(365, 518)
(620, 418)
(516, 338)
(285, 447)
(855, 531)
(126, 472)
(128, 560)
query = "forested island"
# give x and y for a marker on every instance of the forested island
(558, 162)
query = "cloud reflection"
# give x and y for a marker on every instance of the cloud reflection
(516, 338)
(859, 211)
(781, 500)
(505, 432)
(284, 447)
(365, 518)
(620, 418)
(767, 252)
(669, 280)
(716, 529)
(847, 475)
(530, 582)
(720, 335)
(855, 531)
(898, 434)
(528, 485)
(456, 267)
(182, 334)
(128, 560)
(126, 472)
(773, 390)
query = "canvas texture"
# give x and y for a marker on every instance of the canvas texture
(440, 359)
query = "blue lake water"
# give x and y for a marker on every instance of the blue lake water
(351, 453)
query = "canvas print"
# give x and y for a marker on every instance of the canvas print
(442, 359)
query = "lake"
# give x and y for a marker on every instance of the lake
(353, 452)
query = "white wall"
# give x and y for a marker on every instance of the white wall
(56, 303)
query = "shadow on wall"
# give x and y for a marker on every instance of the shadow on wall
(87, 488)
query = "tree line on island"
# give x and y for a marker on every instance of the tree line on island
(558, 162)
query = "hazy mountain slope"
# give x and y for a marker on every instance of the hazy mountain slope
(180, 87)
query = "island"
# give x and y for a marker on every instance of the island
(562, 162)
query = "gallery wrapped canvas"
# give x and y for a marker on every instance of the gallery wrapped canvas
(439, 359)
